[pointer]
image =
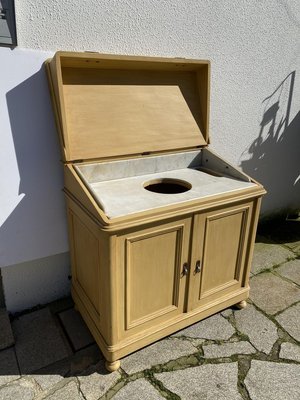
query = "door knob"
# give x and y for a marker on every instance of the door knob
(198, 266)
(185, 269)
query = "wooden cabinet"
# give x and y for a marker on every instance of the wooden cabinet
(140, 284)
(161, 228)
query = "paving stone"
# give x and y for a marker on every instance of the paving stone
(76, 329)
(60, 305)
(17, 390)
(6, 335)
(38, 341)
(227, 313)
(9, 370)
(261, 331)
(47, 381)
(96, 381)
(290, 270)
(290, 321)
(227, 349)
(271, 293)
(294, 246)
(196, 342)
(68, 392)
(272, 381)
(266, 255)
(209, 382)
(214, 328)
(75, 364)
(158, 353)
(137, 390)
(290, 351)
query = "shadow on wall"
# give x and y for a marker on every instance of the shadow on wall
(37, 226)
(274, 156)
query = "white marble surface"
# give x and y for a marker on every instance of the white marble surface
(96, 172)
(120, 197)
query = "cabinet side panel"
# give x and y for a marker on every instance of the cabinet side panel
(152, 275)
(86, 261)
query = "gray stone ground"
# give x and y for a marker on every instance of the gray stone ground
(250, 354)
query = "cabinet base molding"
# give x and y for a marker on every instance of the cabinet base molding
(113, 353)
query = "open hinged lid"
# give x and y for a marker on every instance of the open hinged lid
(109, 106)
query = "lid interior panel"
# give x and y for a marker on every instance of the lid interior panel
(111, 112)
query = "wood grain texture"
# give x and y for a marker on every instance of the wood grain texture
(124, 106)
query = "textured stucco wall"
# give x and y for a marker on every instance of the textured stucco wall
(254, 47)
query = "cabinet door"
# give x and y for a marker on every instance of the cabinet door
(220, 240)
(152, 284)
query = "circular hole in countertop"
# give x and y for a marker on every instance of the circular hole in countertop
(167, 186)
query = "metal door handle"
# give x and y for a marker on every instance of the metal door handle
(198, 267)
(185, 269)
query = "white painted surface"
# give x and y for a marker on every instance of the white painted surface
(36, 282)
(254, 47)
(32, 211)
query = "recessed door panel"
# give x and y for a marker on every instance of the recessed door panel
(154, 284)
(223, 238)
(219, 244)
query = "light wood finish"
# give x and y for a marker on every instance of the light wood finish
(112, 366)
(220, 240)
(117, 108)
(151, 284)
(242, 304)
(128, 279)
(143, 293)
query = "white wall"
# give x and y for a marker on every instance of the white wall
(32, 217)
(254, 47)
(32, 210)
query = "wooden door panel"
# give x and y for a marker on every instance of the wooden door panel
(219, 243)
(223, 239)
(154, 286)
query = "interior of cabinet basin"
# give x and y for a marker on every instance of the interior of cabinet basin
(167, 186)
(120, 187)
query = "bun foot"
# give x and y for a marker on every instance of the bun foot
(112, 366)
(241, 304)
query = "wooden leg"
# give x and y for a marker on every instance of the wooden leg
(112, 366)
(241, 304)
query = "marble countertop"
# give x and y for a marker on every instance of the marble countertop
(121, 197)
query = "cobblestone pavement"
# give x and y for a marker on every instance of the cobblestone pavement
(252, 353)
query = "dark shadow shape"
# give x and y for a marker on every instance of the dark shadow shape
(83, 362)
(274, 155)
(39, 219)
(279, 230)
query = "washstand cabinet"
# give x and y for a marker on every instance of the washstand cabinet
(161, 228)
